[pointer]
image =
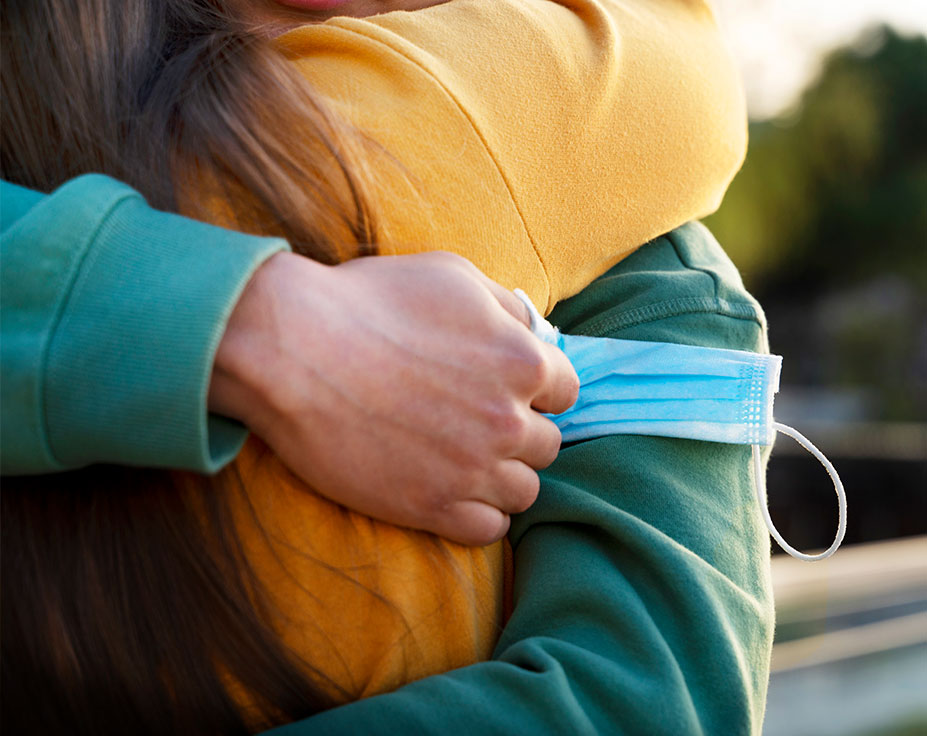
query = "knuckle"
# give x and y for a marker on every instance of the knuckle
(468, 462)
(572, 385)
(507, 424)
(535, 366)
(525, 361)
(550, 451)
(431, 503)
(471, 481)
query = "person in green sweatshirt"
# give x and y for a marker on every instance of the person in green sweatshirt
(642, 599)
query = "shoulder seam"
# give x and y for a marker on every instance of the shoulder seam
(607, 323)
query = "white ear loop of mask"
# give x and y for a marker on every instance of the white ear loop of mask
(838, 487)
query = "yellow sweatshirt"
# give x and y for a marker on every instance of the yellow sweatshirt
(543, 141)
(546, 140)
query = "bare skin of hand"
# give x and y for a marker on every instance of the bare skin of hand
(404, 387)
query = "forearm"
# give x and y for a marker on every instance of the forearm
(119, 321)
(112, 313)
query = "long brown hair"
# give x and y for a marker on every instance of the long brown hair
(128, 605)
(174, 96)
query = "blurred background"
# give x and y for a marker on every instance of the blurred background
(828, 224)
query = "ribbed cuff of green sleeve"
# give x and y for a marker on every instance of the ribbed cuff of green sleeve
(129, 363)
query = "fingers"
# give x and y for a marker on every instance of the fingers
(473, 523)
(484, 519)
(515, 488)
(478, 522)
(511, 303)
(559, 386)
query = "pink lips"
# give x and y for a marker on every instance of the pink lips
(313, 4)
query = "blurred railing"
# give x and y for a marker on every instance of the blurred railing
(850, 655)
(880, 441)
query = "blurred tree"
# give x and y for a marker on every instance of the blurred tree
(842, 179)
(828, 222)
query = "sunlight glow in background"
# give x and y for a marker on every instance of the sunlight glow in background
(780, 43)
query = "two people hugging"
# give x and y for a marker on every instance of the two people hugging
(225, 215)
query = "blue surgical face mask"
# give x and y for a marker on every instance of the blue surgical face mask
(668, 390)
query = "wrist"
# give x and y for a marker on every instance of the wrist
(249, 362)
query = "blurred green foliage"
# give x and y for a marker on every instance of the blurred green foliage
(838, 185)
(828, 223)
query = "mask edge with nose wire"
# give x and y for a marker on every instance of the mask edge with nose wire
(719, 395)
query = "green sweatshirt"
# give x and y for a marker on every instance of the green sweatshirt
(642, 588)
(110, 316)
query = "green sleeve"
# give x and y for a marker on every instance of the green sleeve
(111, 316)
(642, 588)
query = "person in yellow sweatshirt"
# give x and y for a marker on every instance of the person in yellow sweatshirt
(542, 141)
